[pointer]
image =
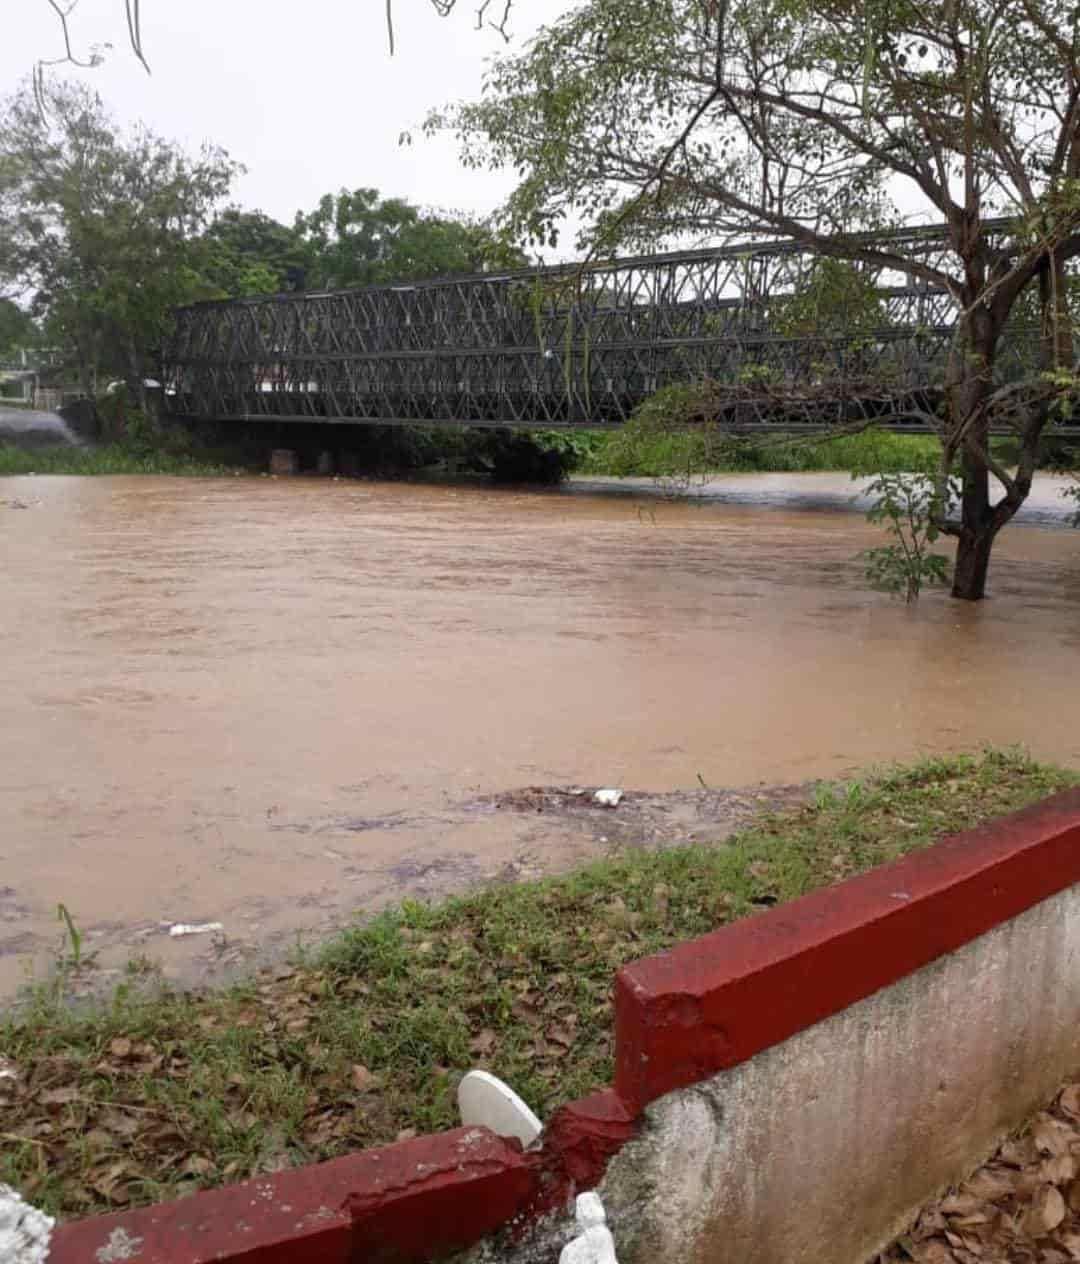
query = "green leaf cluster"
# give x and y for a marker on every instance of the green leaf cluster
(101, 229)
(910, 506)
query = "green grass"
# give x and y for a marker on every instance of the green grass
(665, 454)
(110, 458)
(150, 1096)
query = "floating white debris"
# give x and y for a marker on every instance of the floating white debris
(485, 1100)
(608, 798)
(24, 1231)
(594, 1244)
(194, 928)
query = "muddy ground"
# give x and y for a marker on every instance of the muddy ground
(553, 828)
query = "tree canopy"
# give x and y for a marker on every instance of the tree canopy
(17, 328)
(350, 238)
(248, 252)
(806, 122)
(360, 238)
(101, 229)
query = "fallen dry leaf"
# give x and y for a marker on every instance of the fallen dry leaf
(363, 1080)
(59, 1096)
(484, 1042)
(990, 1184)
(1021, 1207)
(1070, 1241)
(934, 1253)
(1069, 1101)
(1059, 1170)
(560, 1036)
(107, 1182)
(1045, 1213)
(1052, 1136)
(1018, 1152)
(961, 1204)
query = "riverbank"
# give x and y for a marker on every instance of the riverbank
(586, 453)
(620, 454)
(109, 458)
(363, 1040)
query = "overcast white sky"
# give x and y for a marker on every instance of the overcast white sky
(303, 92)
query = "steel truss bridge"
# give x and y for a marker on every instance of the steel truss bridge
(568, 346)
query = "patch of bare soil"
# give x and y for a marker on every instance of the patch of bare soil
(1021, 1207)
(642, 819)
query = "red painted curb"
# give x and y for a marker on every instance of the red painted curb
(426, 1202)
(407, 1202)
(712, 1003)
(579, 1140)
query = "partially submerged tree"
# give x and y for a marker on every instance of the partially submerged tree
(806, 121)
(102, 231)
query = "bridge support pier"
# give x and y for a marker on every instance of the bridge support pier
(284, 461)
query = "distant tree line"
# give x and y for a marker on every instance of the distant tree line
(103, 231)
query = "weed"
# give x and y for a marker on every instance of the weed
(73, 936)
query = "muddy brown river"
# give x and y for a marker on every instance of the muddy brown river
(274, 703)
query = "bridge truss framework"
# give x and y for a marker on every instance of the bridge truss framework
(562, 347)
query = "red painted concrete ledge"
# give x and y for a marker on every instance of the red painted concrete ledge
(680, 1017)
(713, 1002)
(414, 1201)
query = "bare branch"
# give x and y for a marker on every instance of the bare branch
(445, 7)
(63, 9)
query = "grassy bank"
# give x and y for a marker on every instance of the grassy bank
(394, 451)
(147, 1098)
(663, 455)
(591, 452)
(108, 458)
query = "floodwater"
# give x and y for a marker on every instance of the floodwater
(272, 703)
(32, 428)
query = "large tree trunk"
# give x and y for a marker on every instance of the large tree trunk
(136, 378)
(978, 525)
(980, 520)
(972, 564)
(977, 528)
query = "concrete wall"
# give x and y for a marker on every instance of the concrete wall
(789, 1088)
(823, 1147)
